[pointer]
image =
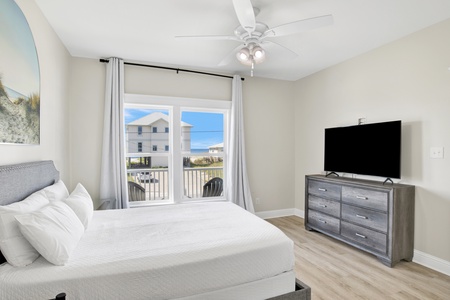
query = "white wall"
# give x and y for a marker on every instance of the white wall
(54, 72)
(407, 80)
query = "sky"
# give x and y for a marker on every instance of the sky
(207, 128)
(19, 67)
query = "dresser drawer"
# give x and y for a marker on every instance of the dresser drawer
(365, 217)
(365, 198)
(330, 207)
(324, 190)
(364, 236)
(322, 221)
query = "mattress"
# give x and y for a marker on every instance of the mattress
(159, 252)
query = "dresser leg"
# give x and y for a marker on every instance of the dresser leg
(386, 262)
(408, 259)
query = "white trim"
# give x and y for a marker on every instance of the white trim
(432, 262)
(176, 106)
(421, 258)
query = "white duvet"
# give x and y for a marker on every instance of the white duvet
(158, 253)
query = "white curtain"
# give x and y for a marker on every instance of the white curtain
(113, 181)
(238, 188)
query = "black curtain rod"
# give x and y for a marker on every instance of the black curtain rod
(173, 69)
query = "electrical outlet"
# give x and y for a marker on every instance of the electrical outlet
(258, 200)
(437, 152)
(362, 121)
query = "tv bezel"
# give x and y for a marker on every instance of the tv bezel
(391, 173)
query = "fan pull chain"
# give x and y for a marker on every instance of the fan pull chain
(253, 67)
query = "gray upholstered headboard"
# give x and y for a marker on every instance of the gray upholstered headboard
(21, 180)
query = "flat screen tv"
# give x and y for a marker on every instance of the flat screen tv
(368, 149)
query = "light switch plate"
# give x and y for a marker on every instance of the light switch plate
(437, 152)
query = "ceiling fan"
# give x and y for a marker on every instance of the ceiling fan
(252, 35)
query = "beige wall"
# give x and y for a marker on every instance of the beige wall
(269, 133)
(87, 93)
(54, 72)
(148, 81)
(268, 106)
(407, 80)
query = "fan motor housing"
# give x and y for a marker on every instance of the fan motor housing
(242, 34)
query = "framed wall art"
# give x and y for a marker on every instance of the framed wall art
(19, 79)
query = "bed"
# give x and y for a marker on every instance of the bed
(186, 251)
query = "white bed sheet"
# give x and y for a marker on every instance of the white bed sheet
(160, 252)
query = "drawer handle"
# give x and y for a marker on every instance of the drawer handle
(322, 189)
(360, 216)
(322, 205)
(361, 197)
(360, 235)
(322, 221)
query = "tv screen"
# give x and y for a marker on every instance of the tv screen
(368, 149)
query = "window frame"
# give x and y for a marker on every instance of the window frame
(175, 106)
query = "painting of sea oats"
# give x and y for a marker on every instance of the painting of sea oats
(19, 78)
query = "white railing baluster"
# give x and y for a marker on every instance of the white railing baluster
(156, 182)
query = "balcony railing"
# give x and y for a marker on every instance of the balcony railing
(155, 182)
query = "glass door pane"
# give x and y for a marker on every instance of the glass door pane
(147, 154)
(203, 154)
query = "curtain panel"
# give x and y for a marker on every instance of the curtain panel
(113, 181)
(238, 187)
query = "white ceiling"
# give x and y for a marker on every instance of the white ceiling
(144, 30)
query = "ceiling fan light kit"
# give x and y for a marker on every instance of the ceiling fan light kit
(252, 53)
(252, 34)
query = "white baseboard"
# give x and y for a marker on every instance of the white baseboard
(299, 213)
(420, 257)
(276, 213)
(270, 214)
(432, 262)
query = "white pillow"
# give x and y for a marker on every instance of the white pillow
(57, 191)
(15, 248)
(81, 203)
(54, 231)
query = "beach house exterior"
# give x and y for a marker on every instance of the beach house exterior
(216, 148)
(150, 134)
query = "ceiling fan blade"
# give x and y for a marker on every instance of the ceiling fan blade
(210, 37)
(245, 14)
(230, 56)
(280, 50)
(299, 26)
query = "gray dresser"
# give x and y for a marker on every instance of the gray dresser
(373, 217)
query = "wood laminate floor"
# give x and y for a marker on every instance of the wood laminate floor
(335, 270)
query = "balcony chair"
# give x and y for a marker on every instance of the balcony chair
(213, 188)
(135, 192)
